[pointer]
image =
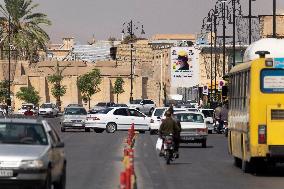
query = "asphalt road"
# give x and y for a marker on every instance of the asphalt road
(94, 162)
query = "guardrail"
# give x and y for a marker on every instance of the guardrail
(127, 177)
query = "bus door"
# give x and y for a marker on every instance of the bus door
(275, 126)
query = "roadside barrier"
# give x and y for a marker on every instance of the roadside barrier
(127, 177)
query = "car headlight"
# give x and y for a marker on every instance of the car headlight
(32, 164)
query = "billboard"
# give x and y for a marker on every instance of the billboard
(184, 66)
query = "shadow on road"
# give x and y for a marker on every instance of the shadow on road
(195, 146)
(277, 171)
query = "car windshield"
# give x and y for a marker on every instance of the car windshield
(46, 106)
(159, 112)
(135, 101)
(208, 113)
(75, 111)
(22, 133)
(104, 111)
(188, 117)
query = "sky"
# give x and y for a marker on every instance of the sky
(83, 19)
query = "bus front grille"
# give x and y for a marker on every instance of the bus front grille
(277, 114)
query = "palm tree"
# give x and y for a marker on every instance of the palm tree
(27, 36)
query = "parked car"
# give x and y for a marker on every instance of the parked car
(74, 118)
(48, 109)
(193, 127)
(146, 106)
(31, 154)
(100, 106)
(156, 117)
(117, 118)
(208, 114)
(25, 106)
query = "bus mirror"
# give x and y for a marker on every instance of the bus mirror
(262, 53)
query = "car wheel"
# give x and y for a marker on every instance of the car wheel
(142, 132)
(62, 129)
(111, 127)
(47, 183)
(61, 184)
(204, 145)
(87, 130)
(99, 130)
(152, 132)
(209, 131)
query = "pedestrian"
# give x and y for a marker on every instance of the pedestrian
(217, 115)
(29, 112)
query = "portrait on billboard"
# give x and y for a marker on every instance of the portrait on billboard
(184, 68)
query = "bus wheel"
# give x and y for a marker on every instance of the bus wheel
(246, 166)
(237, 162)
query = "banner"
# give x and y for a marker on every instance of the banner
(184, 66)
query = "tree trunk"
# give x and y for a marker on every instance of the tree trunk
(117, 98)
(89, 99)
(58, 103)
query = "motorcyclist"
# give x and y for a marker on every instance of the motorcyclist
(224, 114)
(217, 116)
(170, 126)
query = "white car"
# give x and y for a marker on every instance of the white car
(146, 106)
(117, 118)
(24, 107)
(193, 127)
(208, 114)
(48, 109)
(156, 117)
(159, 115)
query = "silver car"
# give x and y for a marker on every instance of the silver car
(74, 118)
(31, 154)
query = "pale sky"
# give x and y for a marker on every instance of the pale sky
(82, 19)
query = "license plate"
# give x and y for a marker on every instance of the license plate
(187, 138)
(6, 173)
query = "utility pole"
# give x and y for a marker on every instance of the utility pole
(274, 35)
(9, 62)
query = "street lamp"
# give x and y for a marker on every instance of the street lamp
(130, 27)
(274, 35)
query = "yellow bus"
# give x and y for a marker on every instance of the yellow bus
(256, 112)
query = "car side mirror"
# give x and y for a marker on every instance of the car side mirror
(59, 145)
(141, 103)
(207, 122)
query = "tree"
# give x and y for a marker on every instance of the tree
(4, 91)
(27, 36)
(58, 90)
(28, 95)
(88, 84)
(118, 87)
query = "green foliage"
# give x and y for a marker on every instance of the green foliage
(27, 36)
(4, 91)
(127, 39)
(28, 95)
(57, 89)
(88, 84)
(118, 87)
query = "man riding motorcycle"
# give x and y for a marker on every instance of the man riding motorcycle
(170, 126)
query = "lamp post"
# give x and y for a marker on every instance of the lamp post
(130, 27)
(274, 35)
(9, 62)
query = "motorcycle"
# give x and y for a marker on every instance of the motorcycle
(168, 148)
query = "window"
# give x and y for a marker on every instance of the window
(122, 112)
(195, 118)
(148, 102)
(272, 81)
(159, 112)
(22, 133)
(75, 111)
(135, 113)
